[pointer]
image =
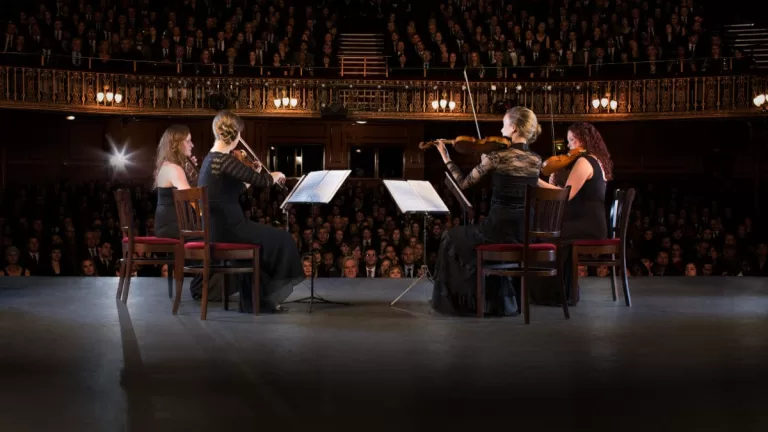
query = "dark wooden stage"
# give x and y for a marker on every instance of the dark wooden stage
(690, 355)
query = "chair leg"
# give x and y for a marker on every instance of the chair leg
(256, 293)
(204, 300)
(575, 289)
(563, 294)
(128, 273)
(526, 299)
(625, 282)
(614, 281)
(480, 295)
(121, 282)
(178, 272)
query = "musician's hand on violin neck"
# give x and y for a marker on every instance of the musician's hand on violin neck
(440, 145)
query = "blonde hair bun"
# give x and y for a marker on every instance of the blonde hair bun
(526, 123)
(227, 126)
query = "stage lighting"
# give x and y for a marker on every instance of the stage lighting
(118, 161)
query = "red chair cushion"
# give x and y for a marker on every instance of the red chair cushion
(604, 242)
(514, 247)
(221, 246)
(160, 241)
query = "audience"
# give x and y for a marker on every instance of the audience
(70, 229)
(497, 40)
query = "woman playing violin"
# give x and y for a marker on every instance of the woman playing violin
(512, 168)
(584, 217)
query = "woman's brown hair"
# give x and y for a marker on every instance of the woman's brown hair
(171, 148)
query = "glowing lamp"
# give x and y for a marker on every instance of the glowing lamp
(443, 103)
(294, 102)
(435, 104)
(100, 96)
(118, 97)
(286, 101)
(614, 104)
(277, 103)
(451, 105)
(759, 100)
(595, 103)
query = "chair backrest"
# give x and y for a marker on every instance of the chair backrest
(544, 212)
(620, 216)
(191, 212)
(125, 212)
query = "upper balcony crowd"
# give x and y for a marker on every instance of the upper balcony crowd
(495, 39)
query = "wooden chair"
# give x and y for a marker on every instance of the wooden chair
(616, 247)
(135, 244)
(191, 211)
(543, 219)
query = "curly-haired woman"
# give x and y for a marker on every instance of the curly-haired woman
(585, 214)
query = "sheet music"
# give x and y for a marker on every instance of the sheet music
(429, 197)
(456, 190)
(415, 196)
(319, 187)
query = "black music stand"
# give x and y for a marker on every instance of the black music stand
(315, 188)
(414, 196)
(466, 206)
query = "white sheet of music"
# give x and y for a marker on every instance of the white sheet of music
(319, 187)
(415, 196)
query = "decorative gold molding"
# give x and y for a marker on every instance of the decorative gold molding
(649, 99)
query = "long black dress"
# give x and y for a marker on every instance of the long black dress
(166, 225)
(281, 267)
(584, 219)
(456, 270)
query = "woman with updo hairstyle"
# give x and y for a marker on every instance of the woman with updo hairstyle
(226, 178)
(173, 170)
(511, 170)
(584, 217)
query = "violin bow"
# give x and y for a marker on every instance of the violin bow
(472, 103)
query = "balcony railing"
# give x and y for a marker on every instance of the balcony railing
(128, 93)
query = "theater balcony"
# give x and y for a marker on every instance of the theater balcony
(364, 98)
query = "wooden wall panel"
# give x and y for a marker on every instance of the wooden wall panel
(48, 147)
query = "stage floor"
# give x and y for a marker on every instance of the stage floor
(690, 355)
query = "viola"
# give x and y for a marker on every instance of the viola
(561, 162)
(471, 145)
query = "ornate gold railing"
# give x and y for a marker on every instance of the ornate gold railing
(76, 91)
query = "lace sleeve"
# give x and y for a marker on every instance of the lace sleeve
(234, 168)
(488, 162)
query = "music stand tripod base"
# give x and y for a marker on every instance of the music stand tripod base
(424, 268)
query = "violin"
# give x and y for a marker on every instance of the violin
(471, 145)
(561, 162)
(242, 156)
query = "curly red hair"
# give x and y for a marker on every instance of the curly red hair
(592, 141)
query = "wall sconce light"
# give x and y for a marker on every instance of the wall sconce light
(614, 104)
(294, 102)
(451, 105)
(278, 102)
(759, 100)
(286, 101)
(108, 97)
(595, 102)
(435, 104)
(443, 103)
(604, 102)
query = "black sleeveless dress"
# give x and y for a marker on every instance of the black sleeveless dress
(456, 268)
(584, 219)
(166, 225)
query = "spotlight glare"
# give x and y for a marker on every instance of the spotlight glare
(71, 117)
